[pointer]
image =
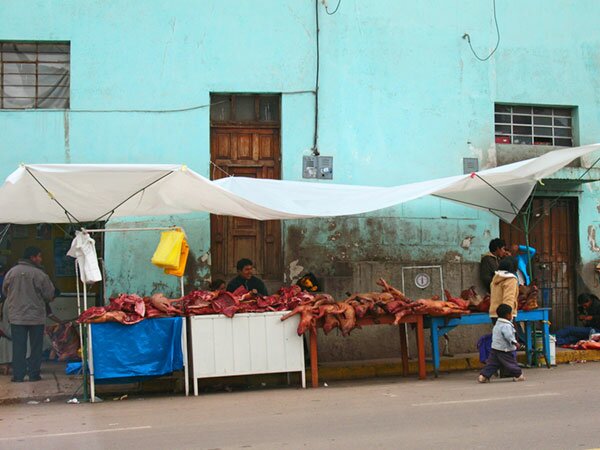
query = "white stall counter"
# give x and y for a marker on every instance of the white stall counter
(247, 344)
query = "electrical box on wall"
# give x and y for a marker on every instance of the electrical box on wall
(319, 167)
(470, 165)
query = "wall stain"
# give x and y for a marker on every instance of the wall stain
(466, 242)
(592, 239)
(197, 272)
(294, 239)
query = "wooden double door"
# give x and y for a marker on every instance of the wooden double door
(254, 153)
(554, 235)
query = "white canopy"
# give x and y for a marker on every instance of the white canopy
(86, 193)
(502, 190)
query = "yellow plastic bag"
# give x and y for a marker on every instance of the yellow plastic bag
(168, 252)
(185, 251)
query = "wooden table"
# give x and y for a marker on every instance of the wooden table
(381, 320)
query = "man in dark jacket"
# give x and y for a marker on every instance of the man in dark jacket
(28, 289)
(489, 262)
(245, 278)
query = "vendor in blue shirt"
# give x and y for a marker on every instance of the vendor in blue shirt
(245, 278)
(522, 253)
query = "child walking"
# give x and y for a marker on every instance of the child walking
(504, 344)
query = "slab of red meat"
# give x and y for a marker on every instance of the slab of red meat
(91, 313)
(289, 292)
(225, 303)
(270, 300)
(129, 303)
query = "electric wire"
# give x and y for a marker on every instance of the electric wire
(467, 36)
(143, 111)
(335, 10)
(315, 149)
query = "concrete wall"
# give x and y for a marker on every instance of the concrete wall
(402, 99)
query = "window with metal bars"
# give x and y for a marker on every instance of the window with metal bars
(533, 125)
(34, 75)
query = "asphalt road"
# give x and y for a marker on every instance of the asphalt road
(556, 408)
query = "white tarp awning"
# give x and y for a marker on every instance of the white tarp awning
(502, 190)
(86, 193)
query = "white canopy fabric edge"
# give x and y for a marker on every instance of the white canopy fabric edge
(89, 192)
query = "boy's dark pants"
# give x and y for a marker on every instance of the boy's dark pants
(501, 360)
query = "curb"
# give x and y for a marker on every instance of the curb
(372, 369)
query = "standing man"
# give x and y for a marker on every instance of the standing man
(490, 261)
(245, 278)
(28, 290)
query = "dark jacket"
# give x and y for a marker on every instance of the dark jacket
(594, 311)
(487, 269)
(252, 283)
(27, 289)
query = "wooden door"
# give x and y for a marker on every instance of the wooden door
(254, 153)
(554, 235)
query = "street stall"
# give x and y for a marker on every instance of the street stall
(59, 193)
(131, 339)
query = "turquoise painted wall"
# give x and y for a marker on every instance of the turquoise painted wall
(401, 99)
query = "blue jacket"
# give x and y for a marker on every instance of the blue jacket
(522, 259)
(504, 336)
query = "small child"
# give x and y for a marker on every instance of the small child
(504, 343)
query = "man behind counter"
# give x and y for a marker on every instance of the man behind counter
(245, 268)
(490, 261)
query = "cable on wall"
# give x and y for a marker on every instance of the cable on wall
(335, 10)
(315, 148)
(145, 111)
(467, 36)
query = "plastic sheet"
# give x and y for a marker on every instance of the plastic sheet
(149, 348)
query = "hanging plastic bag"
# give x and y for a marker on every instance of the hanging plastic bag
(185, 251)
(168, 252)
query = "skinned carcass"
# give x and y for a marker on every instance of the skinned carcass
(308, 319)
(462, 304)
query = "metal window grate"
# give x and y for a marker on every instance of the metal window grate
(533, 125)
(34, 75)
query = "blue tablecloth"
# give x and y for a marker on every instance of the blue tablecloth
(149, 348)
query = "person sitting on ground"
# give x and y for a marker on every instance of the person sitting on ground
(217, 285)
(504, 343)
(505, 287)
(490, 261)
(524, 256)
(589, 315)
(245, 278)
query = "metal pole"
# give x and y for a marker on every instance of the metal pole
(108, 230)
(184, 347)
(81, 337)
(90, 350)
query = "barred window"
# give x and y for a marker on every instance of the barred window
(34, 75)
(533, 125)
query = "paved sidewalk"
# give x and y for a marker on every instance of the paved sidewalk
(54, 384)
(57, 386)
